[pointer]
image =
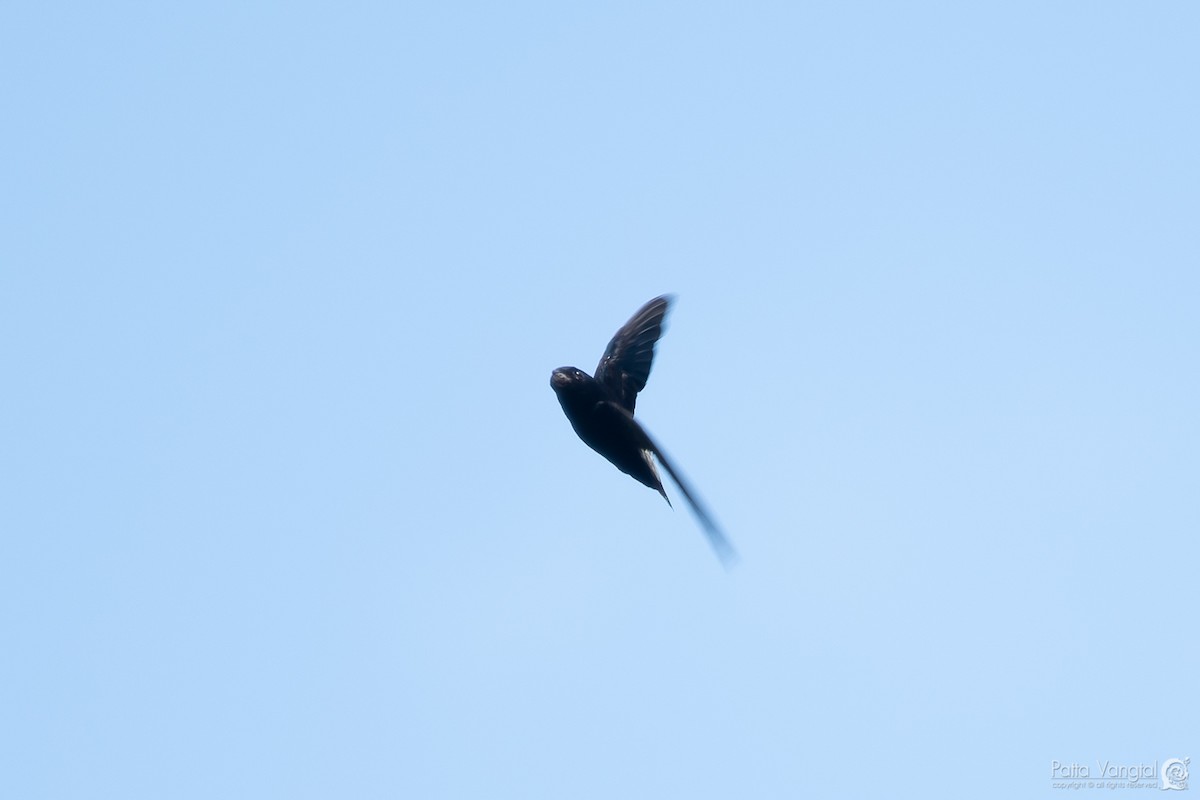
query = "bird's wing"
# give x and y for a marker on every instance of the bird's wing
(625, 365)
(616, 415)
(720, 545)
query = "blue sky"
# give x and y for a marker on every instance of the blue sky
(289, 508)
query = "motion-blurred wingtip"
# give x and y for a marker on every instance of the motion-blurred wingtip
(728, 557)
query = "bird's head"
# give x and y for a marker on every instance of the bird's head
(563, 377)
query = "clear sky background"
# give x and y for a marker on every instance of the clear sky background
(289, 508)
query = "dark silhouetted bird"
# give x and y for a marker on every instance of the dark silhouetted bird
(601, 411)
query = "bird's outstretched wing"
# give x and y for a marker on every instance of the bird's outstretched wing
(716, 538)
(623, 421)
(625, 365)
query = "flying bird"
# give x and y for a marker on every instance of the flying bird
(600, 410)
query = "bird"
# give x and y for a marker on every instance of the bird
(600, 409)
